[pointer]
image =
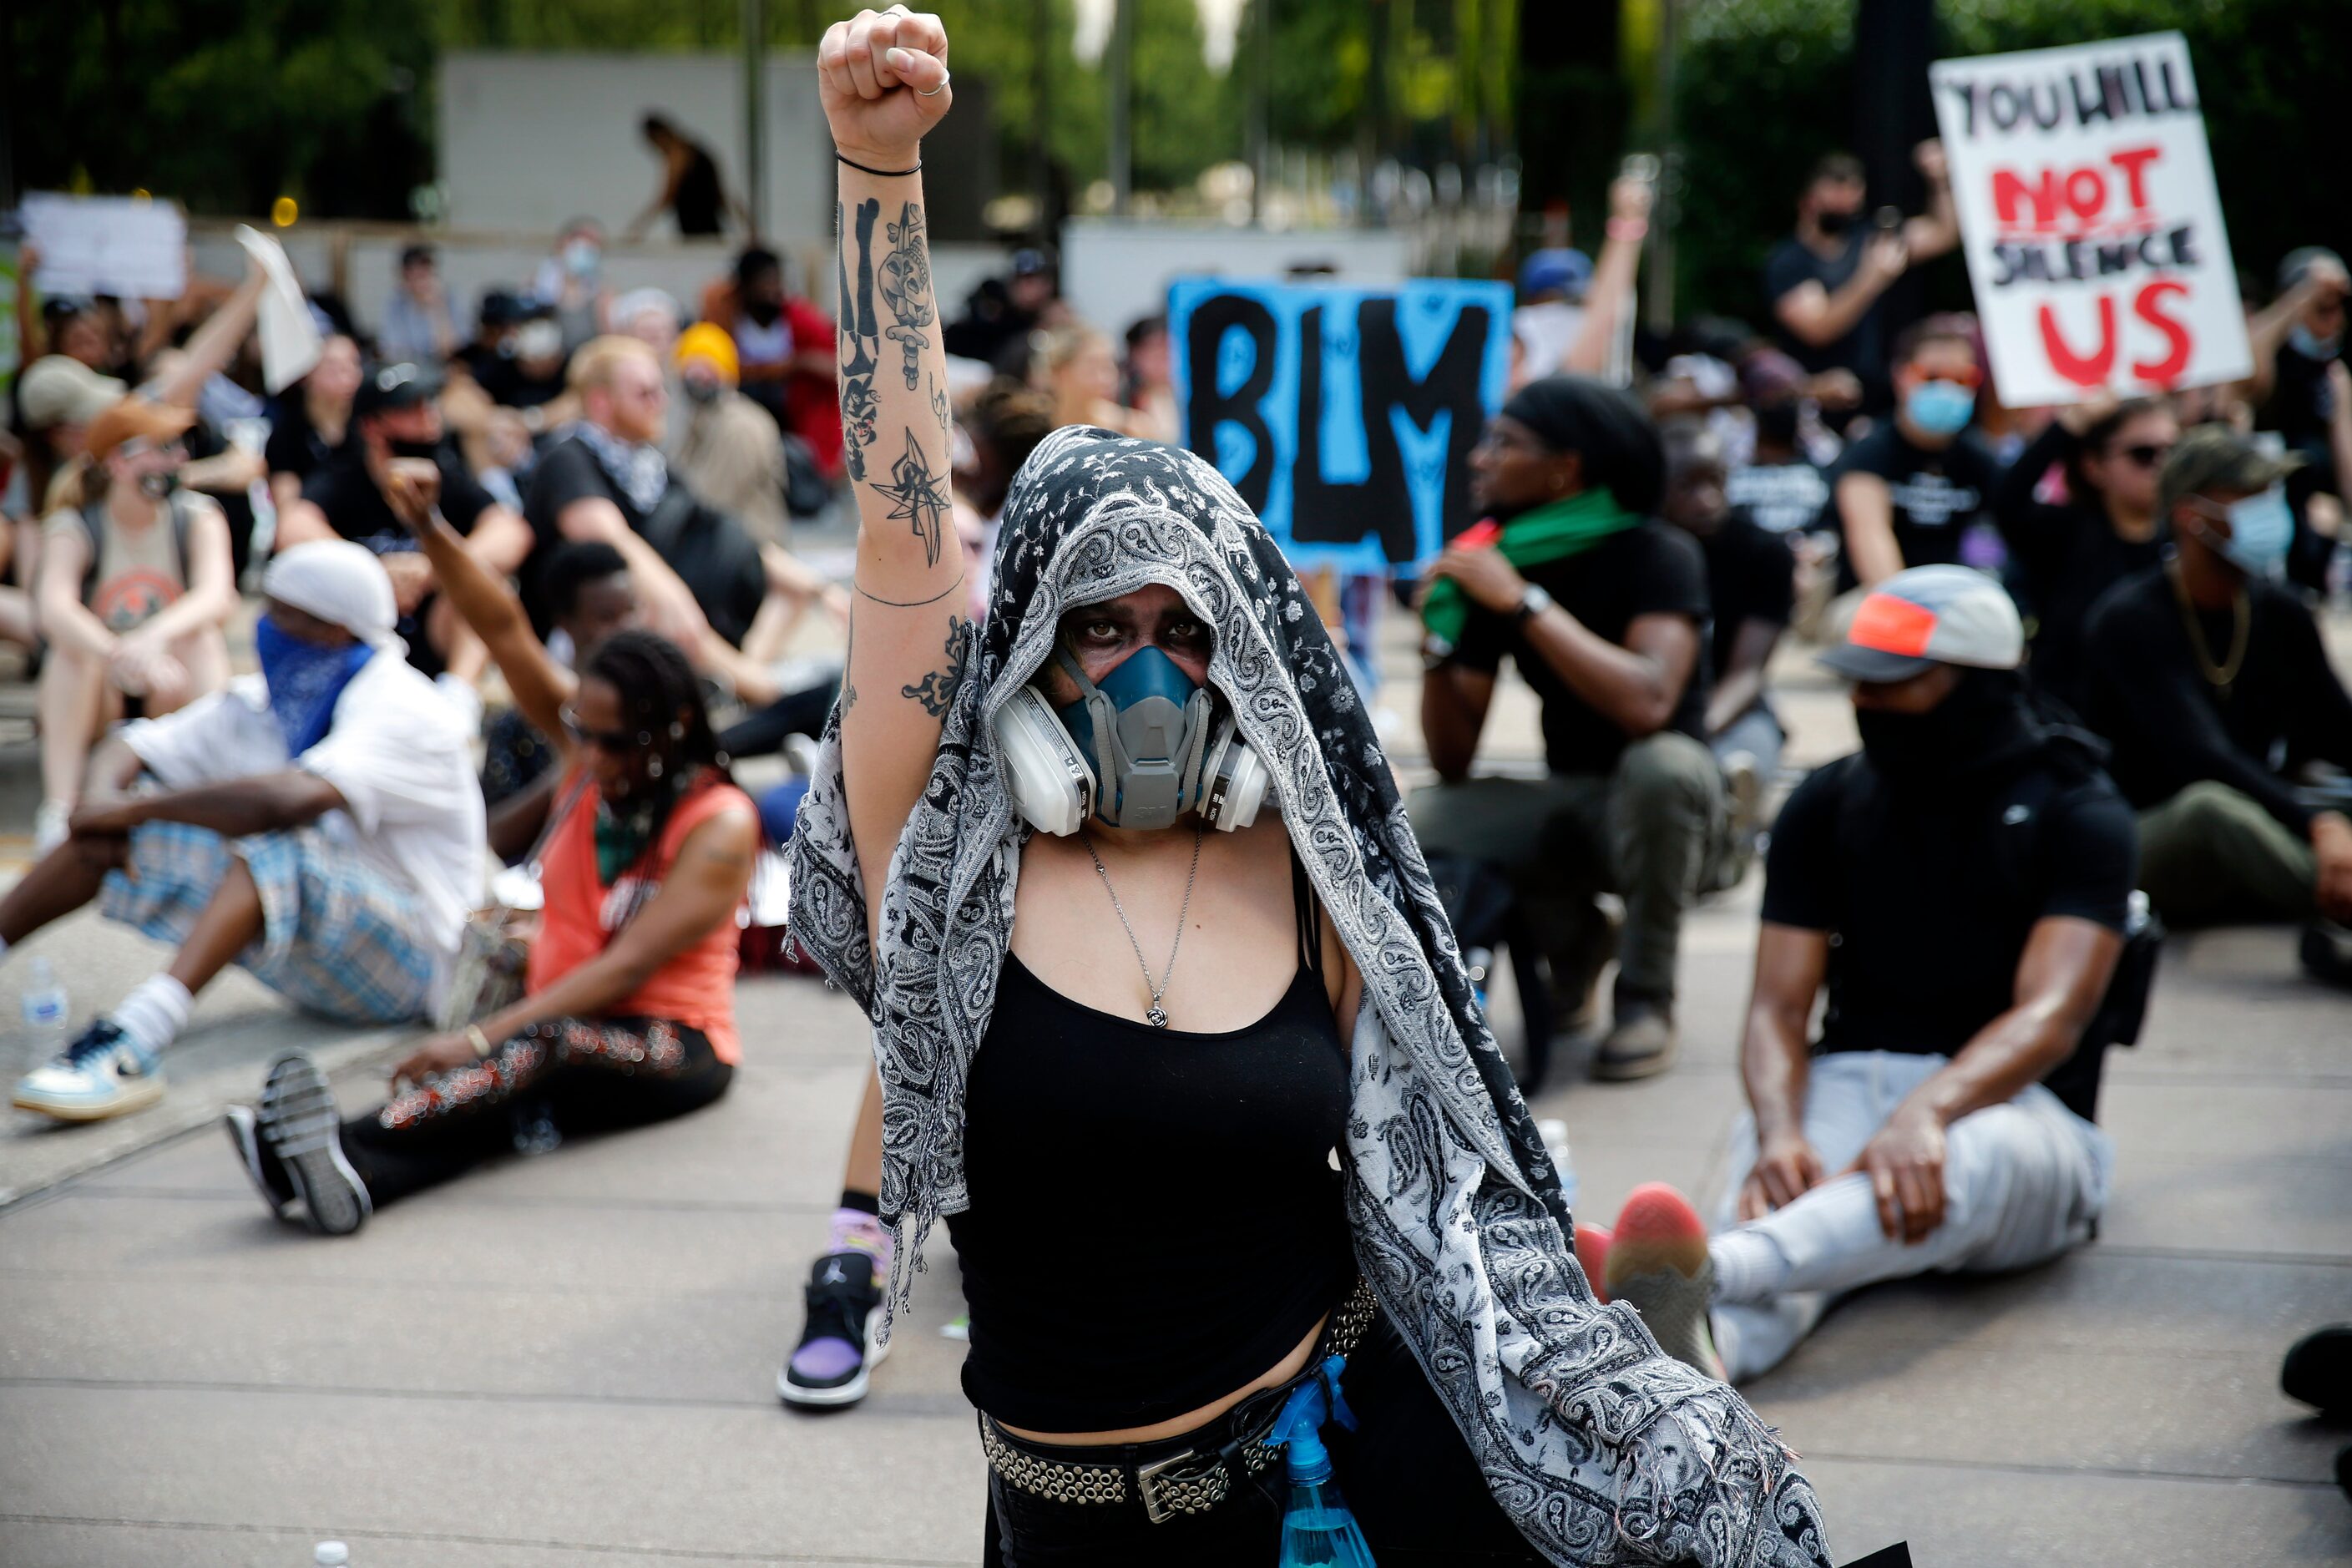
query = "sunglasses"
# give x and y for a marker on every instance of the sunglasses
(613, 743)
(2144, 454)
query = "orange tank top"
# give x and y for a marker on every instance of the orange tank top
(695, 988)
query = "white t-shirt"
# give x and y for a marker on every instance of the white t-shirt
(1547, 330)
(397, 753)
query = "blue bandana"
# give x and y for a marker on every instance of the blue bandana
(304, 681)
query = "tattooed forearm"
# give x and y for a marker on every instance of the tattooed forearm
(936, 692)
(906, 281)
(848, 697)
(941, 412)
(860, 335)
(919, 496)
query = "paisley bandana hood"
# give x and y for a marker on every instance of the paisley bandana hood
(1600, 1447)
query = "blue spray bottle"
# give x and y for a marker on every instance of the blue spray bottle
(1317, 1528)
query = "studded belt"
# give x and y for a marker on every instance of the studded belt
(1198, 1477)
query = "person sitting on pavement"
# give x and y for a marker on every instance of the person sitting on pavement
(784, 351)
(627, 1016)
(1751, 591)
(589, 597)
(1905, 493)
(417, 327)
(1959, 888)
(398, 407)
(2063, 555)
(317, 824)
(310, 420)
(1602, 614)
(729, 452)
(2208, 676)
(136, 585)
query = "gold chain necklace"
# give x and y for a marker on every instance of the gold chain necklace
(2219, 676)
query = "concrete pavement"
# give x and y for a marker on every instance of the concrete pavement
(570, 1359)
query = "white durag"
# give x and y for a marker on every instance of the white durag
(340, 582)
(1603, 1450)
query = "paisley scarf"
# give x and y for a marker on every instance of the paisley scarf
(1603, 1450)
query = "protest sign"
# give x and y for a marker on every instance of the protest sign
(128, 246)
(1344, 416)
(2089, 215)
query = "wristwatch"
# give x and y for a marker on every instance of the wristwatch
(1533, 602)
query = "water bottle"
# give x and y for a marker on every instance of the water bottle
(1317, 1528)
(331, 1555)
(46, 1010)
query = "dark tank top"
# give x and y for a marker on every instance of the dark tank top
(696, 201)
(1155, 1221)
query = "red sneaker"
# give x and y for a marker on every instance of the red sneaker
(1657, 1261)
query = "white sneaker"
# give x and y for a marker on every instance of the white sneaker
(51, 825)
(101, 1075)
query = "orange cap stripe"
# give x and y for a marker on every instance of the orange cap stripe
(1893, 625)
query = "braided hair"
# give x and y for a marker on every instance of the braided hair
(661, 701)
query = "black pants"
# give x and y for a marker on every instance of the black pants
(762, 733)
(574, 1075)
(1405, 1472)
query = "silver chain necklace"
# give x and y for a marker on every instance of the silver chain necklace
(1156, 1016)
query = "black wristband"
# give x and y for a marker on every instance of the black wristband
(869, 169)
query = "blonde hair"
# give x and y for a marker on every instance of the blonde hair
(1057, 346)
(594, 363)
(81, 482)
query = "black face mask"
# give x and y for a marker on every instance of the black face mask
(701, 391)
(414, 448)
(1982, 724)
(763, 312)
(160, 484)
(1834, 223)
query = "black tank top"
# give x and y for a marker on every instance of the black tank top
(697, 200)
(1155, 1220)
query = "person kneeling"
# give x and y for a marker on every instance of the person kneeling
(1960, 887)
(318, 825)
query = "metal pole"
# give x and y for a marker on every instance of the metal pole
(755, 113)
(1665, 195)
(1122, 106)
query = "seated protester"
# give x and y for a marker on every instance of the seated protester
(2302, 336)
(784, 349)
(317, 824)
(2064, 554)
(729, 453)
(2207, 676)
(590, 598)
(1959, 888)
(1751, 591)
(495, 408)
(312, 419)
(532, 380)
(396, 413)
(136, 586)
(1908, 491)
(628, 1012)
(417, 327)
(1601, 609)
(699, 575)
(1779, 486)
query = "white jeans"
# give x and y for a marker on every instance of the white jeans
(2023, 1182)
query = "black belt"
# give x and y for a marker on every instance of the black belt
(1172, 1480)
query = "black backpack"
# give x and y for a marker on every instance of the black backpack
(93, 518)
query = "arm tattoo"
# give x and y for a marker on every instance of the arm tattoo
(940, 411)
(848, 696)
(936, 692)
(906, 279)
(860, 338)
(921, 498)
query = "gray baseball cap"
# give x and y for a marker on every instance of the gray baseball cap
(1926, 616)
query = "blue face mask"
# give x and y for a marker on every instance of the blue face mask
(2311, 345)
(304, 680)
(1145, 730)
(2261, 529)
(1939, 408)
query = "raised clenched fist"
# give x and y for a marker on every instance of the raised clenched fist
(883, 78)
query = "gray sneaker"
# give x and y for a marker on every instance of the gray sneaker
(1641, 1044)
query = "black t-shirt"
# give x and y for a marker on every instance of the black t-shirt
(1783, 497)
(295, 446)
(2301, 402)
(1645, 571)
(1935, 493)
(711, 551)
(2170, 727)
(1863, 350)
(2062, 558)
(697, 202)
(1928, 906)
(1751, 575)
(356, 508)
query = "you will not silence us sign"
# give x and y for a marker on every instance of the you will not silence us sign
(2090, 219)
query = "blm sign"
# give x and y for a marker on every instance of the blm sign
(1344, 416)
(2092, 226)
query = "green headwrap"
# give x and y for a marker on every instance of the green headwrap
(1553, 531)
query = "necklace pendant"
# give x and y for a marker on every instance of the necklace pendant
(1157, 1018)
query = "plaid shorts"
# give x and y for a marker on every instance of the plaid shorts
(337, 933)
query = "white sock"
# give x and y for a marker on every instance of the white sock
(1750, 1267)
(154, 1014)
